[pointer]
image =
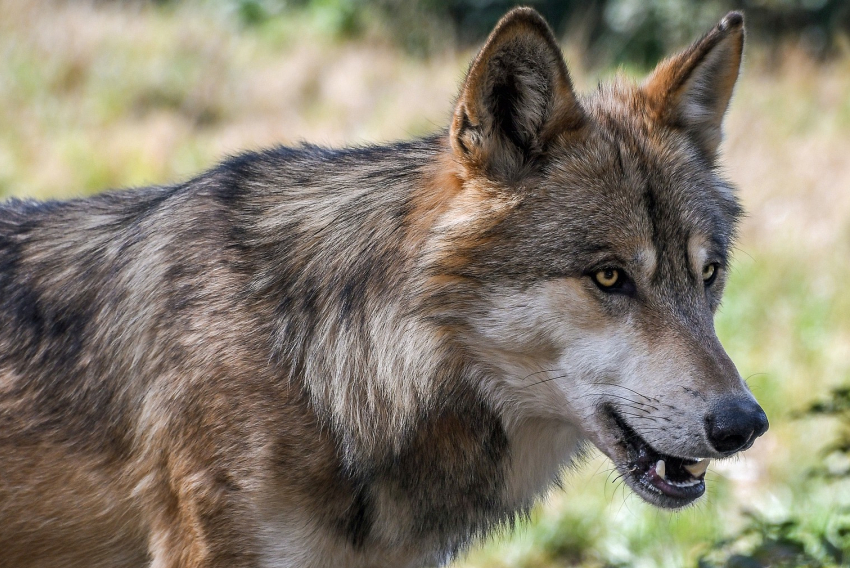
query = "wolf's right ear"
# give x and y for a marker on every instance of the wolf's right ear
(516, 99)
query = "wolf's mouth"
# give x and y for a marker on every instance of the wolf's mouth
(661, 479)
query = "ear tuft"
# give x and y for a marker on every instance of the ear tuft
(517, 97)
(732, 20)
(692, 89)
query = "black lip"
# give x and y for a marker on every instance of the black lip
(639, 470)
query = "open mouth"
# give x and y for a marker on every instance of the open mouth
(663, 480)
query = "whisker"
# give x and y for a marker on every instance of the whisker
(539, 372)
(628, 389)
(643, 416)
(546, 380)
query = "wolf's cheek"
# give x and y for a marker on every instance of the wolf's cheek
(521, 321)
(549, 342)
(541, 323)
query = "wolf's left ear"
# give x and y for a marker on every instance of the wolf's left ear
(692, 90)
(516, 99)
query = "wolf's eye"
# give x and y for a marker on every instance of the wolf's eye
(709, 273)
(613, 281)
(607, 277)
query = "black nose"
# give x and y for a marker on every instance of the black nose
(735, 424)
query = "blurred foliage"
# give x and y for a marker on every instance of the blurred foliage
(792, 542)
(637, 32)
(783, 544)
(836, 463)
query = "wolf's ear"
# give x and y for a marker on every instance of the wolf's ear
(516, 99)
(692, 90)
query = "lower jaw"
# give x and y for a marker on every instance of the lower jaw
(639, 470)
(668, 497)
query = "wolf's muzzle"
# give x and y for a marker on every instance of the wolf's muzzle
(735, 424)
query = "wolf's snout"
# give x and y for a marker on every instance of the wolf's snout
(735, 425)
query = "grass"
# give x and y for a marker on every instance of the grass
(121, 94)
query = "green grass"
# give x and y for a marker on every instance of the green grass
(118, 94)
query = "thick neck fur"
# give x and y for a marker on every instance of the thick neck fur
(370, 316)
(330, 260)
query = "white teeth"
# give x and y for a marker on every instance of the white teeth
(698, 469)
(689, 483)
(661, 469)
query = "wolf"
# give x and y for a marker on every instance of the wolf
(374, 356)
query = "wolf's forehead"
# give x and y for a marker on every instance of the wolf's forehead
(647, 210)
(656, 177)
(680, 181)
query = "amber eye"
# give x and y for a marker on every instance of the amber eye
(709, 273)
(607, 277)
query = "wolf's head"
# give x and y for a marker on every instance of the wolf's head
(592, 236)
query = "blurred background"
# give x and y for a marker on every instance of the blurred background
(106, 94)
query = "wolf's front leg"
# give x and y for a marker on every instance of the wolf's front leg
(202, 521)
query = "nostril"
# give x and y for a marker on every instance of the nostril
(762, 423)
(728, 442)
(735, 425)
(726, 438)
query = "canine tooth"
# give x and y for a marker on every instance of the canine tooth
(661, 469)
(697, 469)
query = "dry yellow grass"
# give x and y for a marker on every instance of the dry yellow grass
(111, 96)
